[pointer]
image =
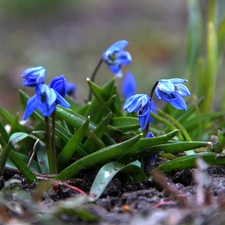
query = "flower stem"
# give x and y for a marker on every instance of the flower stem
(93, 77)
(150, 95)
(50, 153)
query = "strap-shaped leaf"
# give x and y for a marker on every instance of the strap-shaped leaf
(100, 156)
(72, 145)
(125, 123)
(186, 162)
(99, 132)
(145, 143)
(108, 171)
(75, 120)
(167, 148)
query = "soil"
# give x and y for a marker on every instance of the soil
(195, 196)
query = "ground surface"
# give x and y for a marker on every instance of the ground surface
(194, 196)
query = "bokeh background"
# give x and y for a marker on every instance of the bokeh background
(69, 37)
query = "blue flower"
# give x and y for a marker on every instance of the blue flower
(45, 100)
(115, 57)
(34, 76)
(143, 104)
(173, 91)
(71, 89)
(59, 84)
(128, 85)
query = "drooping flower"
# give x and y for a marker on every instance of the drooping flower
(173, 91)
(71, 89)
(115, 57)
(45, 100)
(128, 85)
(34, 76)
(59, 84)
(143, 104)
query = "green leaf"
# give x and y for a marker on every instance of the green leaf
(108, 171)
(166, 122)
(4, 154)
(100, 156)
(221, 38)
(194, 36)
(17, 137)
(72, 145)
(33, 166)
(186, 162)
(102, 93)
(75, 120)
(125, 123)
(145, 143)
(102, 96)
(12, 121)
(103, 110)
(42, 158)
(3, 132)
(209, 81)
(167, 148)
(22, 167)
(99, 132)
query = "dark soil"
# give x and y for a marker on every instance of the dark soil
(184, 197)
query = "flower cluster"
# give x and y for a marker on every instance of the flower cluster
(46, 97)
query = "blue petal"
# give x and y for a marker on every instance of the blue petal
(182, 90)
(31, 72)
(31, 107)
(58, 83)
(166, 86)
(46, 109)
(157, 93)
(152, 109)
(131, 102)
(47, 92)
(62, 101)
(115, 69)
(178, 80)
(167, 97)
(144, 116)
(123, 58)
(71, 89)
(128, 85)
(118, 46)
(150, 135)
(179, 103)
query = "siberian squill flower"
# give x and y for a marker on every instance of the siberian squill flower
(45, 100)
(115, 57)
(128, 85)
(34, 76)
(58, 83)
(144, 105)
(173, 91)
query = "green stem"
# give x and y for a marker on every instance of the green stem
(50, 153)
(93, 77)
(150, 95)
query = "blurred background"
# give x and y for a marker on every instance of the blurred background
(69, 37)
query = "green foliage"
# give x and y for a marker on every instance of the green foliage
(100, 136)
